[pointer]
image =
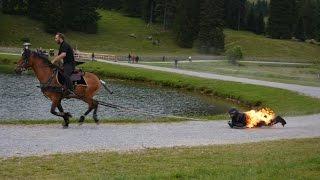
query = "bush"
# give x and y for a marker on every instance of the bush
(234, 54)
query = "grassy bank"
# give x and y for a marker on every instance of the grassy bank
(110, 121)
(7, 63)
(283, 102)
(113, 37)
(286, 159)
(272, 49)
(295, 73)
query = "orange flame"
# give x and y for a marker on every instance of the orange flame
(254, 117)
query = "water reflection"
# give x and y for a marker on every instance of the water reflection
(21, 99)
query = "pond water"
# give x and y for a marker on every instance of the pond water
(20, 98)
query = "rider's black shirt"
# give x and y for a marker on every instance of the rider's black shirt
(65, 47)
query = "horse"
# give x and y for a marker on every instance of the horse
(51, 86)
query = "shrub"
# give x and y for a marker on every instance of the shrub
(234, 54)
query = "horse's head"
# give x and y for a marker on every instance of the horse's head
(24, 62)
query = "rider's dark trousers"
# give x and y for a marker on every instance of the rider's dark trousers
(67, 71)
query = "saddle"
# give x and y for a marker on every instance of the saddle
(76, 77)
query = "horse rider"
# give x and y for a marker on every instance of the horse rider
(66, 53)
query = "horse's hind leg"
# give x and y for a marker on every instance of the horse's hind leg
(95, 117)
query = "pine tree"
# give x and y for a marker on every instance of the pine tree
(165, 11)
(282, 18)
(317, 15)
(133, 8)
(187, 22)
(308, 14)
(54, 19)
(111, 4)
(81, 15)
(18, 7)
(235, 13)
(260, 25)
(251, 20)
(148, 10)
(211, 37)
(35, 9)
(261, 6)
(299, 31)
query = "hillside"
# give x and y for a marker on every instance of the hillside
(113, 37)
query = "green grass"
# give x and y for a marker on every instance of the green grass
(286, 159)
(295, 74)
(283, 102)
(7, 63)
(112, 35)
(114, 28)
(259, 46)
(110, 121)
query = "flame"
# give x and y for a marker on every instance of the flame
(254, 117)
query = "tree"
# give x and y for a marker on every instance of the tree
(211, 37)
(133, 7)
(235, 13)
(54, 19)
(299, 31)
(187, 22)
(148, 10)
(35, 9)
(165, 11)
(18, 7)
(260, 25)
(81, 15)
(111, 4)
(251, 20)
(317, 14)
(308, 15)
(261, 6)
(283, 15)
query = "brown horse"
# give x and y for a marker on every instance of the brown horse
(47, 74)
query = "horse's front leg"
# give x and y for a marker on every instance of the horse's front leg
(66, 116)
(62, 114)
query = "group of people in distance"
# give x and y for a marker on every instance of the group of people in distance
(133, 58)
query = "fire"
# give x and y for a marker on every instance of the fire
(255, 117)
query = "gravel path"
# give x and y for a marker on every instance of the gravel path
(306, 90)
(48, 139)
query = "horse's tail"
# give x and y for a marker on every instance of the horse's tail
(103, 83)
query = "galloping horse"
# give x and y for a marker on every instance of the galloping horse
(48, 75)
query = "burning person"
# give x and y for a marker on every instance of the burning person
(254, 118)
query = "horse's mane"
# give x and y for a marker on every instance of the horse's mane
(44, 59)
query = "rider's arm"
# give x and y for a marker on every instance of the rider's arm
(58, 58)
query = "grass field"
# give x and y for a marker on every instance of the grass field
(113, 35)
(114, 28)
(294, 74)
(279, 50)
(286, 159)
(7, 63)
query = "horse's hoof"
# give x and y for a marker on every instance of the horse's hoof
(97, 122)
(67, 114)
(81, 120)
(65, 126)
